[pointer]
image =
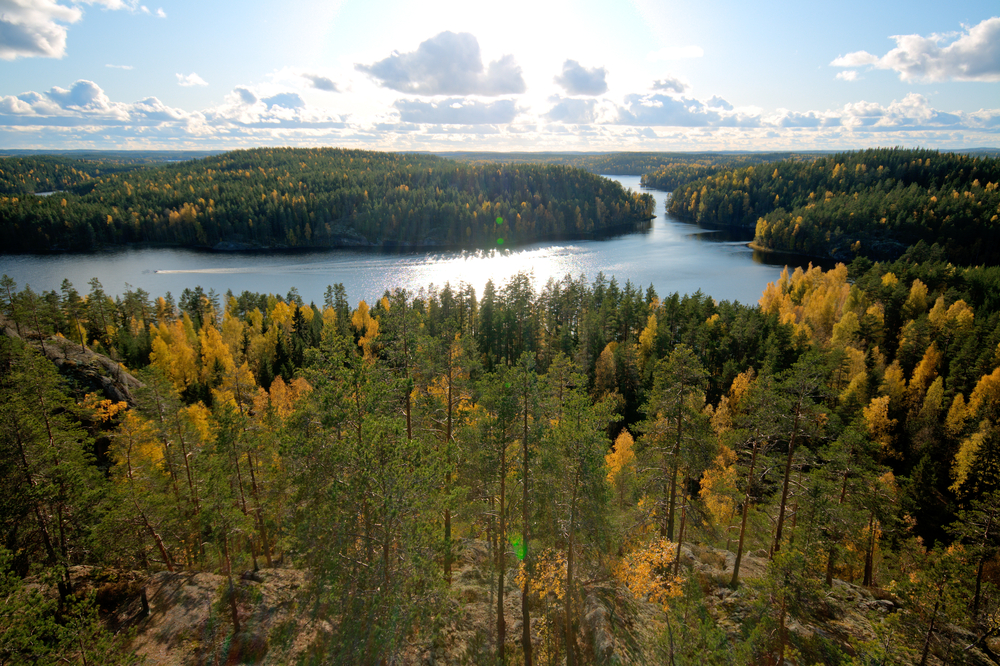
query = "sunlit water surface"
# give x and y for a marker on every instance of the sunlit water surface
(672, 256)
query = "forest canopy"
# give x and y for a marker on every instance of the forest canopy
(589, 439)
(298, 198)
(873, 203)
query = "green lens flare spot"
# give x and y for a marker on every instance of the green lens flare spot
(499, 220)
(499, 241)
(517, 545)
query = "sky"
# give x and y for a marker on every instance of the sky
(522, 75)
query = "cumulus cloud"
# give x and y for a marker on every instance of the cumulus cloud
(289, 100)
(34, 28)
(447, 64)
(37, 28)
(719, 103)
(245, 95)
(321, 82)
(82, 115)
(670, 84)
(847, 75)
(677, 53)
(456, 111)
(578, 80)
(971, 55)
(189, 80)
(665, 110)
(573, 111)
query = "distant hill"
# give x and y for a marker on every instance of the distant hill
(302, 198)
(873, 203)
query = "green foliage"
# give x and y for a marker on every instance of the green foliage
(287, 198)
(39, 629)
(871, 203)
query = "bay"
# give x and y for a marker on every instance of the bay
(671, 255)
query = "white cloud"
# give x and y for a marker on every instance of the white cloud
(32, 28)
(275, 113)
(972, 55)
(677, 53)
(189, 80)
(321, 82)
(847, 75)
(37, 28)
(578, 80)
(719, 103)
(456, 111)
(573, 111)
(119, 66)
(160, 13)
(289, 100)
(447, 64)
(671, 84)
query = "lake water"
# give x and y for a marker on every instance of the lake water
(672, 256)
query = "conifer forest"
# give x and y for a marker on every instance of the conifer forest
(581, 472)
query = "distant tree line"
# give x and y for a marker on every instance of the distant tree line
(296, 198)
(873, 203)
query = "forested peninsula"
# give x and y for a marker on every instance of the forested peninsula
(279, 198)
(584, 473)
(872, 203)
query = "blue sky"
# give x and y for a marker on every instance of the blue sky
(518, 75)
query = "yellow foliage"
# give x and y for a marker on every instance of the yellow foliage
(938, 313)
(845, 331)
(924, 374)
(647, 339)
(329, 319)
(721, 418)
(934, 400)
(967, 453)
(605, 380)
(621, 458)
(366, 326)
(857, 388)
(646, 572)
(718, 486)
(986, 393)
(916, 302)
(173, 354)
(812, 301)
(893, 384)
(281, 314)
(134, 443)
(200, 417)
(215, 353)
(237, 387)
(960, 316)
(282, 397)
(104, 410)
(741, 384)
(877, 420)
(890, 280)
(549, 577)
(958, 414)
(232, 330)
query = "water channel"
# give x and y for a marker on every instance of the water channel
(671, 255)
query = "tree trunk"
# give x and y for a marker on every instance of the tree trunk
(870, 553)
(525, 533)
(501, 553)
(743, 525)
(784, 489)
(680, 536)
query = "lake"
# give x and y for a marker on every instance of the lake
(672, 256)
